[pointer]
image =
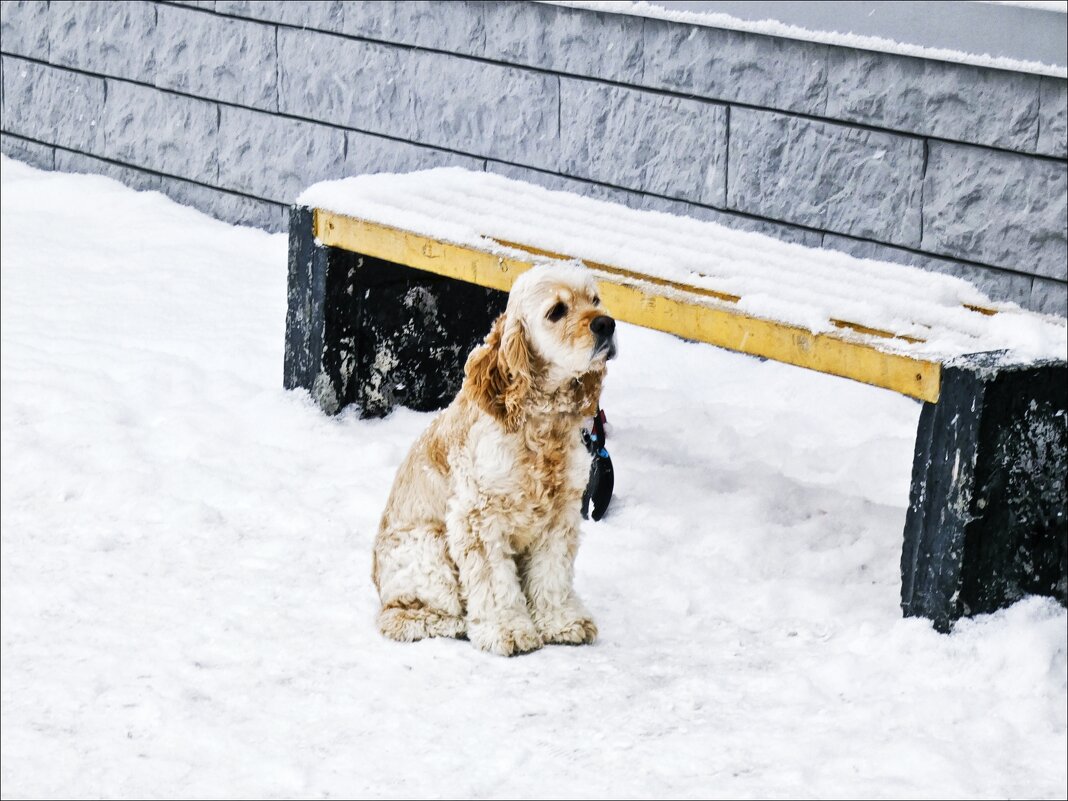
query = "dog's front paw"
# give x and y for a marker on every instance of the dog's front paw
(508, 637)
(578, 631)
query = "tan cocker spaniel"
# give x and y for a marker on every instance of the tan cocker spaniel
(479, 535)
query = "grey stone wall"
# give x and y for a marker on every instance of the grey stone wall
(233, 107)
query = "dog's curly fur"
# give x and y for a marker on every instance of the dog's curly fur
(479, 535)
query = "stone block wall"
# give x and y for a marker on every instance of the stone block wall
(234, 107)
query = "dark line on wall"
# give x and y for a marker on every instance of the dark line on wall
(727, 161)
(1038, 115)
(218, 136)
(923, 183)
(622, 84)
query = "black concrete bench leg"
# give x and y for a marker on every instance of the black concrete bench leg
(364, 331)
(986, 523)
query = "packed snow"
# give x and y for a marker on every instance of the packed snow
(879, 44)
(802, 286)
(187, 609)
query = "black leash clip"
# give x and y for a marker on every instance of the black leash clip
(602, 480)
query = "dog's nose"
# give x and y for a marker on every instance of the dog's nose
(602, 325)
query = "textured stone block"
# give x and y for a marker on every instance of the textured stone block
(573, 41)
(217, 57)
(433, 99)
(934, 98)
(325, 15)
(644, 140)
(999, 285)
(69, 161)
(733, 65)
(53, 105)
(308, 87)
(1049, 297)
(274, 157)
(484, 110)
(32, 153)
(996, 208)
(1053, 117)
(638, 200)
(226, 206)
(455, 27)
(162, 131)
(24, 28)
(105, 37)
(833, 177)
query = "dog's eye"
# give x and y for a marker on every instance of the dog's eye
(596, 301)
(557, 312)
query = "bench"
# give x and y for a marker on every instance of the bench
(393, 279)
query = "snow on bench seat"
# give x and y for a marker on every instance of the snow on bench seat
(885, 324)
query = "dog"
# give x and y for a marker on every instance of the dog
(479, 535)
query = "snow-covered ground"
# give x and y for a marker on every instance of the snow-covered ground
(186, 602)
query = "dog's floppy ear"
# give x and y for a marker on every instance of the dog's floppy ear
(516, 365)
(499, 373)
(484, 380)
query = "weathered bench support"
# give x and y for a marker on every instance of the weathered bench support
(986, 522)
(368, 332)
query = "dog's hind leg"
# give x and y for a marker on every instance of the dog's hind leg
(418, 585)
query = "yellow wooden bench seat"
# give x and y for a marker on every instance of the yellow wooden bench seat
(854, 351)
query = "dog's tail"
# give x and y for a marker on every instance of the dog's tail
(408, 618)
